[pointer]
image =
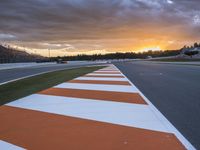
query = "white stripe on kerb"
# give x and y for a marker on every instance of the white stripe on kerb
(7, 146)
(108, 70)
(132, 115)
(116, 71)
(99, 87)
(95, 74)
(101, 79)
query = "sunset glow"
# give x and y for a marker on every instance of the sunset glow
(157, 48)
(69, 27)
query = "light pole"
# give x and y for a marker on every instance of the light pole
(49, 52)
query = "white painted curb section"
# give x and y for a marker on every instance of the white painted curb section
(7, 146)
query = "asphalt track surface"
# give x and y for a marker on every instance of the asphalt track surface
(13, 74)
(173, 89)
(99, 110)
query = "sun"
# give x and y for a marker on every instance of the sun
(156, 48)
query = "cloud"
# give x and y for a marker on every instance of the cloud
(4, 36)
(84, 24)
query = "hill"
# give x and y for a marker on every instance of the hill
(10, 55)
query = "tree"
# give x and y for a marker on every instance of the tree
(196, 45)
(184, 47)
(188, 47)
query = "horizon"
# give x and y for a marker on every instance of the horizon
(88, 54)
(69, 27)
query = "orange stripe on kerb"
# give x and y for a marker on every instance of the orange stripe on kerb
(96, 95)
(100, 82)
(101, 76)
(36, 130)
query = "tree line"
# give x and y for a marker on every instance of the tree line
(195, 45)
(127, 55)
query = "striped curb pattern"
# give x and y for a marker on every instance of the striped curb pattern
(100, 110)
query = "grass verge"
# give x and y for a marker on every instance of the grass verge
(21, 88)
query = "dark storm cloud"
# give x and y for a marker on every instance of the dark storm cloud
(65, 20)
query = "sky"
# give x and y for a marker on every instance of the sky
(71, 27)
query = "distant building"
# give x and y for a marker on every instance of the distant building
(190, 49)
(149, 57)
(197, 49)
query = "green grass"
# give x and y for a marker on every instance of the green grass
(21, 88)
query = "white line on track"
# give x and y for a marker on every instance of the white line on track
(28, 76)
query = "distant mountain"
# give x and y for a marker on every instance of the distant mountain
(10, 55)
